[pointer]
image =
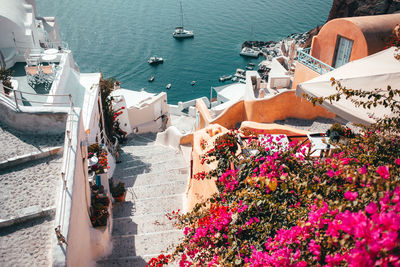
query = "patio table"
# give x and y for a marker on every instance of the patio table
(51, 51)
(49, 58)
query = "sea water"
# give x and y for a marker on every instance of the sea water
(117, 37)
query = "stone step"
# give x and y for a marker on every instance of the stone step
(144, 150)
(132, 159)
(145, 136)
(145, 244)
(28, 184)
(137, 142)
(133, 207)
(131, 261)
(155, 177)
(156, 190)
(161, 166)
(141, 224)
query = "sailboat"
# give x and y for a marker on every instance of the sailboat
(180, 32)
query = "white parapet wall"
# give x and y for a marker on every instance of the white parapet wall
(141, 112)
(279, 77)
(85, 243)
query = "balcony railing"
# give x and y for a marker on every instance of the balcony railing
(306, 59)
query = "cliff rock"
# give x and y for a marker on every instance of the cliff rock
(354, 8)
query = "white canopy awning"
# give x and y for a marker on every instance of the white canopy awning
(376, 71)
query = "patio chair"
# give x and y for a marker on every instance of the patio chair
(32, 57)
(47, 73)
(32, 74)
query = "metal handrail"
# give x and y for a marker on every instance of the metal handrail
(33, 101)
(313, 63)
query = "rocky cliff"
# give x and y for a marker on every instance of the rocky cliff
(353, 8)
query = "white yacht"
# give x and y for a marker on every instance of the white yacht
(249, 52)
(180, 32)
(155, 60)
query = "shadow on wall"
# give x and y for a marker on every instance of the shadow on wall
(283, 106)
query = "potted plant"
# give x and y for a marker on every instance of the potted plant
(99, 206)
(118, 191)
(5, 78)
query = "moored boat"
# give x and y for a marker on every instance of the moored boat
(240, 76)
(193, 83)
(180, 32)
(151, 78)
(168, 86)
(155, 60)
(225, 78)
(249, 52)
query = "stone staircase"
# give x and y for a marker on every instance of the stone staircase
(30, 173)
(156, 181)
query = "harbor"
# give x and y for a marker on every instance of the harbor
(140, 33)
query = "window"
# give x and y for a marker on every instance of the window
(342, 51)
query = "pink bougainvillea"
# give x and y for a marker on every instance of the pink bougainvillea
(281, 207)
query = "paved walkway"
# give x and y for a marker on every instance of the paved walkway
(15, 143)
(26, 189)
(156, 181)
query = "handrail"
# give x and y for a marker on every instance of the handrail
(313, 63)
(64, 172)
(12, 89)
(33, 101)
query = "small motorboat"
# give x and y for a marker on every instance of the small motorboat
(151, 78)
(155, 60)
(251, 64)
(235, 79)
(193, 83)
(168, 86)
(224, 78)
(248, 52)
(240, 76)
(249, 68)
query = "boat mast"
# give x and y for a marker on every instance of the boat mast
(180, 3)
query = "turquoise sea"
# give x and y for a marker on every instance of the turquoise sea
(117, 37)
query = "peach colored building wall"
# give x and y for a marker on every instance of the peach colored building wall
(200, 190)
(369, 33)
(302, 74)
(280, 107)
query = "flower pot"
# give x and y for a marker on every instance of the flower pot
(120, 198)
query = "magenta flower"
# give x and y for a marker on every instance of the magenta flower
(371, 208)
(397, 161)
(362, 170)
(383, 171)
(351, 195)
(330, 173)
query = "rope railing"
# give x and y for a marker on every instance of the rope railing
(64, 174)
(313, 63)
